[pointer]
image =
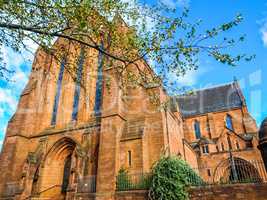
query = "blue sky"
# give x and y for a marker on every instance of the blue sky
(251, 75)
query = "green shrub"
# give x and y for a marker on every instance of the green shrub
(170, 178)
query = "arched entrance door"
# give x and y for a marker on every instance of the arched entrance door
(66, 175)
(236, 170)
(54, 176)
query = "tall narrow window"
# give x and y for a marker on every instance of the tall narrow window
(222, 145)
(197, 129)
(209, 172)
(229, 142)
(205, 149)
(129, 158)
(66, 174)
(58, 91)
(237, 146)
(78, 85)
(217, 148)
(229, 122)
(99, 82)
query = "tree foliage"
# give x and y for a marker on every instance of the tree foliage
(132, 32)
(171, 178)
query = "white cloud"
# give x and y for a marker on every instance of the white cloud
(263, 31)
(190, 78)
(8, 100)
(264, 35)
(176, 3)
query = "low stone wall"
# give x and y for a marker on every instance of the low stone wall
(132, 195)
(220, 192)
(230, 192)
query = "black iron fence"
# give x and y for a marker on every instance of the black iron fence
(232, 172)
(141, 181)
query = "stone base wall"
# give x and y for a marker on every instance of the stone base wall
(230, 192)
(227, 192)
(132, 195)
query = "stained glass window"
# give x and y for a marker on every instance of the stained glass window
(197, 129)
(58, 91)
(78, 85)
(99, 83)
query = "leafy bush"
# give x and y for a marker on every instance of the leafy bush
(170, 178)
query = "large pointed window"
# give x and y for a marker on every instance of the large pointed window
(99, 83)
(58, 91)
(229, 122)
(197, 129)
(78, 85)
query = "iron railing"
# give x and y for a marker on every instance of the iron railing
(87, 184)
(141, 181)
(231, 172)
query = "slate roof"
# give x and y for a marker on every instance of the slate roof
(214, 99)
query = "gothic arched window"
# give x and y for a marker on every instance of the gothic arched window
(58, 91)
(197, 129)
(99, 82)
(78, 85)
(229, 122)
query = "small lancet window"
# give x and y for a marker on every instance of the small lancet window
(205, 149)
(209, 172)
(130, 158)
(222, 145)
(197, 129)
(237, 146)
(229, 122)
(217, 148)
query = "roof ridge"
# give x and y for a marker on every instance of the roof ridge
(208, 88)
(215, 86)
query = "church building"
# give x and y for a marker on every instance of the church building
(69, 139)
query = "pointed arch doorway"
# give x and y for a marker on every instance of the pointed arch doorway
(54, 177)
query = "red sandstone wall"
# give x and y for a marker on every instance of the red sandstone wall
(227, 192)
(233, 192)
(190, 156)
(216, 122)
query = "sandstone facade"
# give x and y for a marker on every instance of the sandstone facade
(58, 145)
